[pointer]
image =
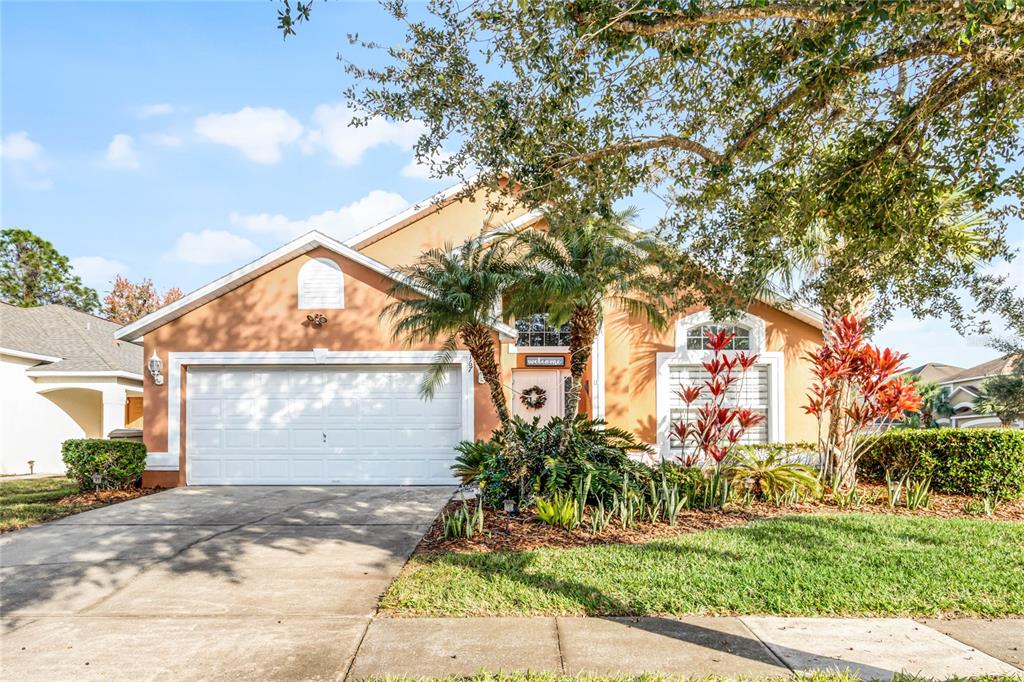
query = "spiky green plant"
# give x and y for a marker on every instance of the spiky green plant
(770, 476)
(558, 511)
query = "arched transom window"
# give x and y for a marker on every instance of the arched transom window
(321, 285)
(697, 336)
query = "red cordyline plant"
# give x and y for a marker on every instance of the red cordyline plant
(857, 390)
(717, 426)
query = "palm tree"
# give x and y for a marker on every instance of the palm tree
(571, 269)
(452, 294)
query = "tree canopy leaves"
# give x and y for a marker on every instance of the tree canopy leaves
(761, 123)
(33, 272)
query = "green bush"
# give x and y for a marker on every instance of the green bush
(984, 462)
(119, 462)
(601, 452)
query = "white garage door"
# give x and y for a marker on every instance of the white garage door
(320, 425)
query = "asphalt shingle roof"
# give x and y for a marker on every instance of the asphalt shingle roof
(84, 343)
(1002, 365)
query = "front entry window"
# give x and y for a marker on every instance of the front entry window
(535, 331)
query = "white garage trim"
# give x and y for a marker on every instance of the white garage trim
(317, 356)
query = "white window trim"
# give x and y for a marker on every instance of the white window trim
(597, 375)
(304, 302)
(513, 349)
(177, 361)
(774, 361)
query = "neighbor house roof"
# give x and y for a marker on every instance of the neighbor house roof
(67, 341)
(935, 371)
(1001, 365)
(247, 273)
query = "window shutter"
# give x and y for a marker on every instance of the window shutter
(321, 285)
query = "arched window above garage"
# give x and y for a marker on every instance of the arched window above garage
(321, 285)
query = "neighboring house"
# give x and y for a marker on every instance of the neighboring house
(281, 372)
(966, 386)
(934, 372)
(62, 376)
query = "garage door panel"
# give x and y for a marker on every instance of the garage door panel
(268, 426)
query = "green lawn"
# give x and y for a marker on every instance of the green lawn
(27, 502)
(844, 564)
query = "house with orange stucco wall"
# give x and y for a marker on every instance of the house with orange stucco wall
(282, 372)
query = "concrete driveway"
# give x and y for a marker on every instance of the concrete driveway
(204, 583)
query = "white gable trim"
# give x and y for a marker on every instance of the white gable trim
(25, 355)
(247, 273)
(431, 203)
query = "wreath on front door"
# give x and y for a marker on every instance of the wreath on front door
(534, 397)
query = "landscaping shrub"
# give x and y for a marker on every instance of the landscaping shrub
(119, 462)
(984, 462)
(593, 449)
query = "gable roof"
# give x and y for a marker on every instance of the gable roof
(249, 272)
(996, 367)
(66, 341)
(935, 371)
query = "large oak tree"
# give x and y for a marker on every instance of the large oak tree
(880, 129)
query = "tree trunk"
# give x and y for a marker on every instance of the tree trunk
(582, 330)
(480, 342)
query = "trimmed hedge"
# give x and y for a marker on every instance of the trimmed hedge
(120, 462)
(964, 461)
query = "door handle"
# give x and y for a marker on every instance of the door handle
(325, 437)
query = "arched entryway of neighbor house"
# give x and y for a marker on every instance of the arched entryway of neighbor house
(78, 410)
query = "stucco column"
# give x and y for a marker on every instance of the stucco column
(114, 398)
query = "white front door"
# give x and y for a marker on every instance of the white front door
(320, 425)
(550, 381)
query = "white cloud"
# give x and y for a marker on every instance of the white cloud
(257, 132)
(162, 139)
(96, 271)
(151, 110)
(348, 144)
(19, 147)
(210, 247)
(25, 161)
(422, 169)
(340, 224)
(121, 152)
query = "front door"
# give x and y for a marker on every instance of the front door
(539, 393)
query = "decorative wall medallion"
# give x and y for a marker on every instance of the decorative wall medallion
(534, 397)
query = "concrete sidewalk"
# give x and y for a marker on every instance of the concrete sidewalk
(747, 646)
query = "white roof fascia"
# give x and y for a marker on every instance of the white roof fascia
(247, 273)
(29, 356)
(434, 201)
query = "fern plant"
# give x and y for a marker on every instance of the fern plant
(771, 476)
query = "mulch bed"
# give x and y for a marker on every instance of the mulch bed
(524, 532)
(107, 496)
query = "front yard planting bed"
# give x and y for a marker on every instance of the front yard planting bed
(851, 564)
(31, 501)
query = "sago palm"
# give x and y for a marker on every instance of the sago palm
(570, 271)
(451, 294)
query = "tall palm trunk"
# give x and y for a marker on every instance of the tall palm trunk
(582, 331)
(480, 342)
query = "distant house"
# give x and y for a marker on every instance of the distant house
(966, 386)
(935, 372)
(62, 376)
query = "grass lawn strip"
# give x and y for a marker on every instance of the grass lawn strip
(30, 501)
(806, 565)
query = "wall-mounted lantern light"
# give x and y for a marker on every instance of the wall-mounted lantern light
(155, 366)
(317, 320)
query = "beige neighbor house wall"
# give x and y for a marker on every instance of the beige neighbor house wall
(263, 315)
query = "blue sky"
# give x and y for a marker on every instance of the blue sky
(179, 140)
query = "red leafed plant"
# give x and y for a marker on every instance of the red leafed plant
(857, 389)
(717, 426)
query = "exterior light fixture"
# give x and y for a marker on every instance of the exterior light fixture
(155, 366)
(509, 506)
(97, 478)
(317, 320)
